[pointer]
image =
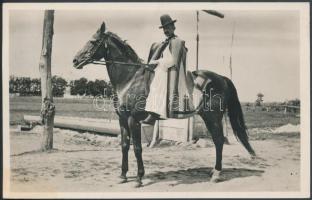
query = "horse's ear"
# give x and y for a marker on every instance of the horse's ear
(103, 27)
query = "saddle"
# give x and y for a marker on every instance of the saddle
(196, 83)
(196, 80)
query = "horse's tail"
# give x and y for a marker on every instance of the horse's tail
(235, 114)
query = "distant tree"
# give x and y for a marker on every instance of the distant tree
(12, 85)
(17, 84)
(24, 84)
(58, 86)
(79, 86)
(102, 87)
(35, 87)
(109, 89)
(98, 87)
(72, 88)
(259, 99)
(294, 102)
(91, 89)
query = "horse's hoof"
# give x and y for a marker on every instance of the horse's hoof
(254, 157)
(138, 184)
(215, 176)
(211, 172)
(123, 179)
(215, 179)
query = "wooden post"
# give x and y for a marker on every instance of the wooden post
(225, 128)
(47, 108)
(197, 38)
(191, 125)
(155, 138)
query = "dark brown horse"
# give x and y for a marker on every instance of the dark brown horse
(128, 76)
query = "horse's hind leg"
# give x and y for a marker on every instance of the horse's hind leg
(125, 145)
(135, 131)
(214, 125)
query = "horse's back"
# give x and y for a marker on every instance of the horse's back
(216, 79)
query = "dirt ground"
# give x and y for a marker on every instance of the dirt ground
(83, 162)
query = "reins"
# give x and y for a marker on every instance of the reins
(146, 66)
(118, 62)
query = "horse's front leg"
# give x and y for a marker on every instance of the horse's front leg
(125, 145)
(135, 131)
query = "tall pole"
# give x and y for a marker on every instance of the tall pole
(211, 12)
(191, 120)
(219, 15)
(47, 108)
(225, 128)
(232, 41)
(197, 38)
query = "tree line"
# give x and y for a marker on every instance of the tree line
(27, 86)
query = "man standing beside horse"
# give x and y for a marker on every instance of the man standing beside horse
(168, 90)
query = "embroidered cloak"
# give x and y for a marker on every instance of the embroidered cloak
(177, 96)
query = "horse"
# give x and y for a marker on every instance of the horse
(126, 73)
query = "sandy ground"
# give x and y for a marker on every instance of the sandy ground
(83, 162)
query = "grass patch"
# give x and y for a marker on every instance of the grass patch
(263, 119)
(20, 106)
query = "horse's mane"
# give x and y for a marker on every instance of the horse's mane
(125, 47)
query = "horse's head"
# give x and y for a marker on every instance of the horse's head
(107, 45)
(92, 50)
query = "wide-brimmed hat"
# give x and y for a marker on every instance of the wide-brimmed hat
(166, 20)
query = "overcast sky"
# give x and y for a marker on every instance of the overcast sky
(265, 52)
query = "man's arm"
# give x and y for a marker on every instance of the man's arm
(152, 50)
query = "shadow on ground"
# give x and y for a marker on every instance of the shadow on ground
(198, 175)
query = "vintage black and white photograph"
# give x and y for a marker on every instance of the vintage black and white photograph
(156, 100)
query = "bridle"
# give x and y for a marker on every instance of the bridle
(103, 41)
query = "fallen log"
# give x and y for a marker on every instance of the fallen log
(175, 130)
(102, 126)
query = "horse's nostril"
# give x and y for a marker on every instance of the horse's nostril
(75, 61)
